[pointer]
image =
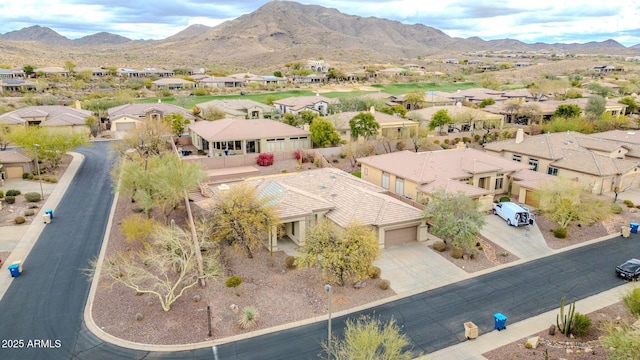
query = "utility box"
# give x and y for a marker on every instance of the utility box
(470, 330)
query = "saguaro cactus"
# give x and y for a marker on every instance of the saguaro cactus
(567, 320)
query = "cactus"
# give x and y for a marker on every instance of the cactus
(567, 320)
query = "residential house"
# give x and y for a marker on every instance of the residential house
(13, 164)
(295, 105)
(172, 84)
(260, 80)
(304, 198)
(16, 85)
(96, 72)
(217, 82)
(464, 118)
(130, 116)
(391, 126)
(318, 66)
(597, 164)
(233, 136)
(52, 116)
(51, 70)
(239, 109)
(417, 176)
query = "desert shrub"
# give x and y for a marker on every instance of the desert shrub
(629, 203)
(10, 199)
(374, 272)
(13, 193)
(384, 284)
(50, 179)
(456, 252)
(476, 137)
(335, 161)
(581, 325)
(19, 220)
(290, 262)
(138, 227)
(560, 232)
(32, 197)
(456, 140)
(265, 159)
(632, 301)
(439, 246)
(233, 282)
(249, 317)
(437, 142)
(505, 199)
(32, 206)
(447, 141)
(444, 146)
(400, 145)
(26, 175)
(466, 139)
(29, 212)
(616, 209)
(343, 155)
(1, 194)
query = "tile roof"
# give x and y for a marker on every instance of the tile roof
(47, 111)
(13, 157)
(341, 120)
(451, 186)
(457, 111)
(591, 163)
(425, 167)
(547, 146)
(235, 107)
(237, 129)
(347, 198)
(140, 110)
(625, 136)
(300, 102)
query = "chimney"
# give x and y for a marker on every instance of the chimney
(372, 110)
(78, 105)
(519, 136)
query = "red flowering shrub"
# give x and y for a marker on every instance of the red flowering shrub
(265, 159)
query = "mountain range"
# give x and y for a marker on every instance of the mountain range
(276, 33)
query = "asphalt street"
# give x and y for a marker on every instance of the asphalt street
(46, 302)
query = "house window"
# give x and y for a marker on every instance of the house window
(552, 171)
(385, 180)
(399, 186)
(366, 171)
(499, 183)
(465, 180)
(517, 158)
(534, 163)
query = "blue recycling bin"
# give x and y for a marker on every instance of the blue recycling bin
(50, 213)
(500, 321)
(14, 269)
(634, 227)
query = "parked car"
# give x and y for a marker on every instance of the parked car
(630, 270)
(514, 214)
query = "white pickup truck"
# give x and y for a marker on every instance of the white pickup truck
(514, 214)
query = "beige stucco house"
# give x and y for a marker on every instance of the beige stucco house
(239, 109)
(304, 198)
(130, 116)
(597, 164)
(65, 118)
(294, 105)
(13, 164)
(416, 176)
(390, 125)
(464, 118)
(234, 136)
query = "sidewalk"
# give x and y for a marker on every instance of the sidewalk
(20, 239)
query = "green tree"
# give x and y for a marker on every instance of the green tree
(486, 102)
(599, 89)
(177, 121)
(415, 99)
(277, 73)
(567, 111)
(439, 119)
(369, 338)
(166, 268)
(93, 124)
(455, 219)
(160, 183)
(596, 106)
(213, 113)
(28, 70)
(307, 116)
(4, 137)
(341, 254)
(291, 119)
(364, 124)
(565, 201)
(242, 218)
(52, 144)
(420, 137)
(323, 133)
(632, 105)
(144, 141)
(69, 66)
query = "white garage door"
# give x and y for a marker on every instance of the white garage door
(400, 236)
(125, 126)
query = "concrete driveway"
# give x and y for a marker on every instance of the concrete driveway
(525, 242)
(416, 267)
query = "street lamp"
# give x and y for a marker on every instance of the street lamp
(35, 146)
(327, 288)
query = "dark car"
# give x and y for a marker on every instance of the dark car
(629, 270)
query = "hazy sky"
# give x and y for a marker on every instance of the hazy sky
(563, 21)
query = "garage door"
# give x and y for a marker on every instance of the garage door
(400, 236)
(531, 198)
(125, 126)
(14, 172)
